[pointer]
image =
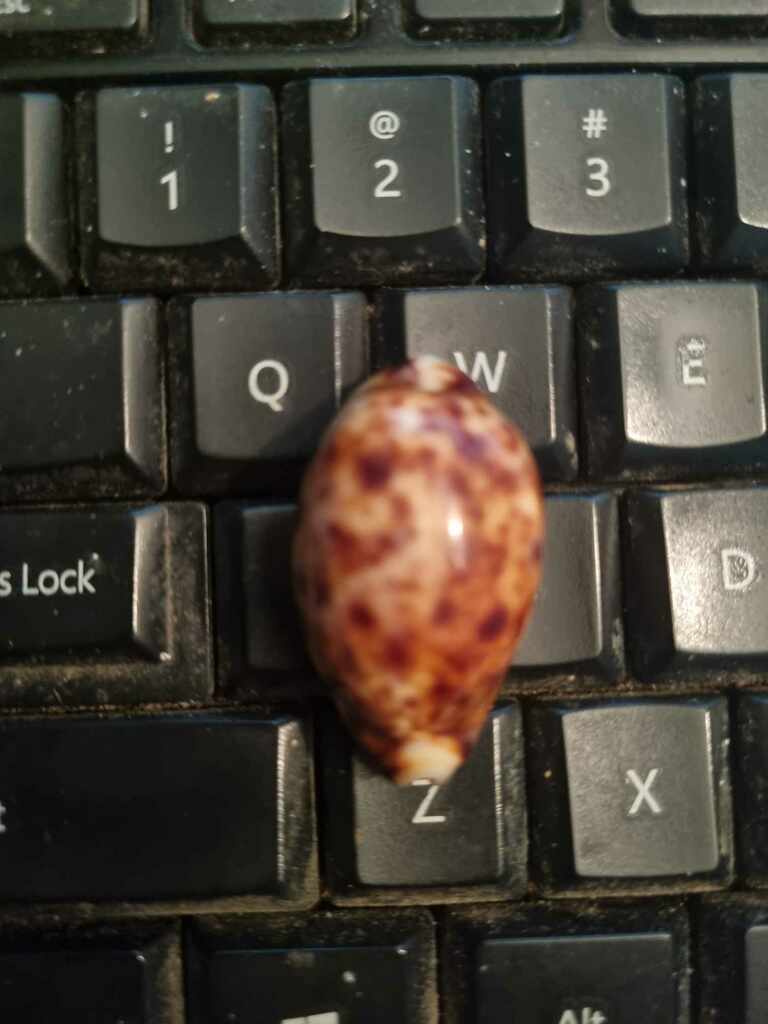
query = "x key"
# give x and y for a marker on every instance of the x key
(643, 787)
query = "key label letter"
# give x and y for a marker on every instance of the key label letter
(691, 365)
(481, 367)
(422, 815)
(274, 398)
(644, 797)
(314, 1018)
(588, 1016)
(739, 569)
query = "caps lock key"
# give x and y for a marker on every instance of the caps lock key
(92, 602)
(68, 582)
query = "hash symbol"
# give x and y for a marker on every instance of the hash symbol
(594, 124)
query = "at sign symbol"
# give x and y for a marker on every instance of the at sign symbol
(384, 124)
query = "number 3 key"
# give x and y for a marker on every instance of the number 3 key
(602, 162)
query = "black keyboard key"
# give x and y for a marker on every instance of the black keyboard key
(291, 21)
(255, 381)
(515, 343)
(91, 422)
(35, 256)
(576, 623)
(179, 188)
(60, 26)
(384, 181)
(351, 967)
(696, 584)
(631, 793)
(479, 10)
(752, 773)
(486, 18)
(71, 581)
(732, 211)
(699, 8)
(425, 841)
(674, 379)
(103, 605)
(261, 641)
(608, 976)
(568, 964)
(93, 975)
(732, 959)
(756, 961)
(575, 628)
(693, 18)
(587, 176)
(186, 806)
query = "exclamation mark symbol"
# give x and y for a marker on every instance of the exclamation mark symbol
(169, 143)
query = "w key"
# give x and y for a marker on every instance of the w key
(515, 343)
(587, 176)
(385, 181)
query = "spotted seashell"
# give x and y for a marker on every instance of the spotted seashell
(416, 560)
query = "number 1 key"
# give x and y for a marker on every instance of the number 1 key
(178, 187)
(586, 176)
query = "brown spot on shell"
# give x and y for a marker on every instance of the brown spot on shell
(442, 691)
(459, 482)
(340, 536)
(470, 446)
(464, 384)
(361, 615)
(398, 654)
(374, 469)
(459, 661)
(493, 624)
(444, 612)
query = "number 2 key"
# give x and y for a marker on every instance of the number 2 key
(586, 176)
(383, 180)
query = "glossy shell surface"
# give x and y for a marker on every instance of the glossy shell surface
(416, 561)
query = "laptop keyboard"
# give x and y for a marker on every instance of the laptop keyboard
(217, 217)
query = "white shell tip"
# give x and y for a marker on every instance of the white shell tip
(433, 758)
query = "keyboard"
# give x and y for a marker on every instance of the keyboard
(217, 218)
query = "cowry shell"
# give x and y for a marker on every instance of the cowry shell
(416, 560)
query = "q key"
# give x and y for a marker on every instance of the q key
(259, 377)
